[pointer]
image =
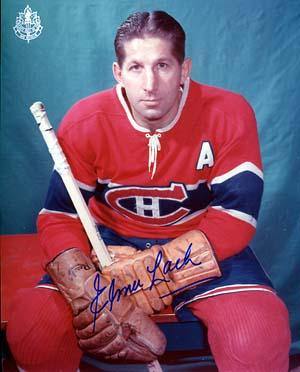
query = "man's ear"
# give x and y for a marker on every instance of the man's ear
(117, 72)
(186, 68)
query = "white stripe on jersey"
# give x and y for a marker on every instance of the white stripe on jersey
(103, 182)
(237, 214)
(47, 286)
(190, 216)
(235, 288)
(247, 166)
(195, 186)
(44, 211)
(109, 183)
(85, 187)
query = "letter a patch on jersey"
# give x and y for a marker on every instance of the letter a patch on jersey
(206, 157)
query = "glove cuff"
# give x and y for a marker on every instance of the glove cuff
(188, 260)
(69, 271)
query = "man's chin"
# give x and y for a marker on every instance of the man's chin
(151, 115)
(152, 118)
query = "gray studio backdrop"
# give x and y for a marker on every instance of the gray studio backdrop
(251, 47)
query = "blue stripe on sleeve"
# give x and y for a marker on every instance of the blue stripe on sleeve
(242, 192)
(58, 198)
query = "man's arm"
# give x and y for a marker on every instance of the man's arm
(58, 223)
(236, 181)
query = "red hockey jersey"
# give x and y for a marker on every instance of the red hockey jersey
(203, 171)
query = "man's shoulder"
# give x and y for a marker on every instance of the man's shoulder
(99, 102)
(220, 99)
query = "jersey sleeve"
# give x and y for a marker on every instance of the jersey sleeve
(236, 182)
(58, 224)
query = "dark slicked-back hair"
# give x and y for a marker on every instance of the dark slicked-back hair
(155, 24)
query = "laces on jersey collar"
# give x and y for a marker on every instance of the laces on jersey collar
(154, 147)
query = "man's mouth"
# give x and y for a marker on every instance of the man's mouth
(151, 101)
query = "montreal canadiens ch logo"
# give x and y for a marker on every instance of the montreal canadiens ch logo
(145, 203)
(28, 25)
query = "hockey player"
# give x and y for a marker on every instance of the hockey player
(170, 169)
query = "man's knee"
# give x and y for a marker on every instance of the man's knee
(262, 333)
(40, 332)
(247, 331)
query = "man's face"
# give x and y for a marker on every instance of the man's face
(151, 76)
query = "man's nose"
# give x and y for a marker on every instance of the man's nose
(150, 82)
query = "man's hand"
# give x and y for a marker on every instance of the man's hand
(122, 331)
(133, 278)
(117, 253)
(164, 270)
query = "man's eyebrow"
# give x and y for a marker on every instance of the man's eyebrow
(164, 59)
(134, 61)
(160, 59)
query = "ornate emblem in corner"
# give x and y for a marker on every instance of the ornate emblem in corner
(28, 25)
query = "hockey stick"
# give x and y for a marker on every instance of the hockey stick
(64, 169)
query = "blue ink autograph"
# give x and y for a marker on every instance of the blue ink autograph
(114, 294)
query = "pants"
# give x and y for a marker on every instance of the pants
(247, 331)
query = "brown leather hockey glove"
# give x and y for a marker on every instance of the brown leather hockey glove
(105, 327)
(125, 281)
(165, 270)
(116, 252)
